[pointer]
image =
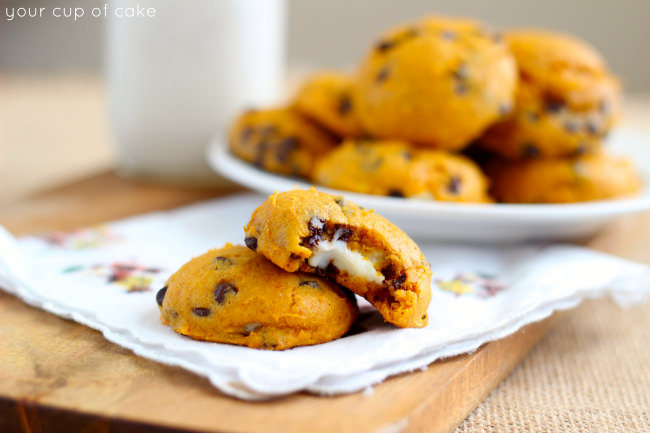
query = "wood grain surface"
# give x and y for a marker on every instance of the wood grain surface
(56, 375)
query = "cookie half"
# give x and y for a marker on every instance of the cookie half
(310, 231)
(233, 295)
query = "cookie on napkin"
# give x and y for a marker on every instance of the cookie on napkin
(310, 231)
(233, 295)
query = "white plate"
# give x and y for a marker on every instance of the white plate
(467, 222)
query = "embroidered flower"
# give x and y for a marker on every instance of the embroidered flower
(132, 276)
(481, 284)
(81, 239)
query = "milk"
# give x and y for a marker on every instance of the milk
(180, 77)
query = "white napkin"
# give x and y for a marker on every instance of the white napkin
(106, 277)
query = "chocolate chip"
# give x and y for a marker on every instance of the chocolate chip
(222, 261)
(246, 133)
(345, 104)
(222, 290)
(604, 107)
(399, 281)
(396, 193)
(160, 296)
(571, 126)
(530, 151)
(461, 72)
(412, 32)
(311, 283)
(592, 127)
(448, 35)
(201, 312)
(331, 270)
(311, 241)
(384, 46)
(251, 243)
(267, 130)
(460, 89)
(343, 234)
(505, 108)
(251, 327)
(554, 105)
(454, 185)
(383, 74)
(316, 226)
(261, 151)
(285, 147)
(320, 272)
(582, 149)
(388, 271)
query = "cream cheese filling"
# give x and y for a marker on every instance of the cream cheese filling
(352, 262)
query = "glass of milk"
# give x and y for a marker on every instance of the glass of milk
(179, 77)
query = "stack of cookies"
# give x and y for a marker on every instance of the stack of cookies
(440, 109)
(550, 148)
(307, 253)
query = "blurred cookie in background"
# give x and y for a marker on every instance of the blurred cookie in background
(566, 101)
(437, 82)
(279, 140)
(326, 98)
(583, 178)
(394, 168)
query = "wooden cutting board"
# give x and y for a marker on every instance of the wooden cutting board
(56, 375)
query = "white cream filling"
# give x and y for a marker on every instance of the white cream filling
(344, 259)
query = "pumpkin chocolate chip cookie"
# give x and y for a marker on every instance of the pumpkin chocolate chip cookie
(565, 103)
(393, 168)
(323, 234)
(437, 82)
(584, 178)
(279, 140)
(326, 98)
(233, 295)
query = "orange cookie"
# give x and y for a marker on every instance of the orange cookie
(326, 98)
(584, 178)
(438, 82)
(319, 233)
(565, 103)
(233, 295)
(279, 140)
(396, 169)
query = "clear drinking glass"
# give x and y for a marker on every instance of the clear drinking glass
(178, 78)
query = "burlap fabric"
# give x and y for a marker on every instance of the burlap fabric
(590, 374)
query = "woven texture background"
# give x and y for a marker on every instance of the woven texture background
(590, 374)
